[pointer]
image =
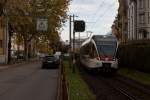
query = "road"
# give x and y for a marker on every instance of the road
(28, 82)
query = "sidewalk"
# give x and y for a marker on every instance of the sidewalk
(18, 63)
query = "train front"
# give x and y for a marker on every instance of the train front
(107, 50)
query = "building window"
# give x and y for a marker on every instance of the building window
(141, 18)
(148, 3)
(148, 17)
(1, 44)
(141, 4)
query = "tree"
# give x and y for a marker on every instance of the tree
(56, 11)
(22, 18)
(2, 5)
(120, 23)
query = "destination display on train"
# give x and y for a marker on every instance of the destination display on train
(106, 42)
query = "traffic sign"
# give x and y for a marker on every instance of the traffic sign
(79, 26)
(42, 24)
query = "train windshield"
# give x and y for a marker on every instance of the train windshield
(107, 49)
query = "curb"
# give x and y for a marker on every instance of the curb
(59, 88)
(63, 90)
(8, 66)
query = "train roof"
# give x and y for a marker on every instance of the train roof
(86, 42)
(104, 38)
(100, 38)
(96, 37)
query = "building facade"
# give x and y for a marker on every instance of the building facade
(138, 19)
(3, 41)
(132, 20)
(143, 19)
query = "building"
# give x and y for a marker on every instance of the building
(138, 19)
(143, 19)
(3, 41)
(132, 20)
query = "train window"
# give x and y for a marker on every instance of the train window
(86, 50)
(93, 53)
(89, 50)
(107, 50)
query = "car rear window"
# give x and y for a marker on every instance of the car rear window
(50, 58)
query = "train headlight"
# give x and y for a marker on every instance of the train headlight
(114, 64)
(99, 64)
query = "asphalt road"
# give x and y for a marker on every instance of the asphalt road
(28, 82)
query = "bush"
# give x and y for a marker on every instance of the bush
(135, 55)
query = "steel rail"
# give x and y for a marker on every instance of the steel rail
(120, 90)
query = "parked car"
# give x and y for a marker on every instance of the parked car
(58, 55)
(50, 62)
(66, 55)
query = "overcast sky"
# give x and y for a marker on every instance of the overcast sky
(98, 15)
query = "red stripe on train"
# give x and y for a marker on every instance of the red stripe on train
(106, 58)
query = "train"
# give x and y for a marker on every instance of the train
(99, 53)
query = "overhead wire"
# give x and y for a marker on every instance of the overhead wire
(103, 14)
(100, 6)
(97, 11)
(106, 14)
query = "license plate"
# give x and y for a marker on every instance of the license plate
(49, 61)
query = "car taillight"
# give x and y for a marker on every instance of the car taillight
(57, 61)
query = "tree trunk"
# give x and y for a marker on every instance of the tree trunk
(9, 43)
(25, 50)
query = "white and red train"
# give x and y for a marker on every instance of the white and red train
(99, 53)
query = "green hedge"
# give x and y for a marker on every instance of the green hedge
(135, 55)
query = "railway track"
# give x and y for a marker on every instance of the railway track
(131, 90)
(144, 88)
(119, 88)
(131, 97)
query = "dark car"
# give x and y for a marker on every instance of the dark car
(50, 62)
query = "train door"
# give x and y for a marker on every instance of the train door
(93, 56)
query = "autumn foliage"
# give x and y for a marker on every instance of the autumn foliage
(23, 15)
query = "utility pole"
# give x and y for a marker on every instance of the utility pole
(70, 41)
(79, 40)
(70, 30)
(72, 19)
(74, 60)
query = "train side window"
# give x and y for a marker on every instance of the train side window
(93, 51)
(86, 50)
(90, 50)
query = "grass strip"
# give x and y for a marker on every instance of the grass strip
(141, 77)
(78, 89)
